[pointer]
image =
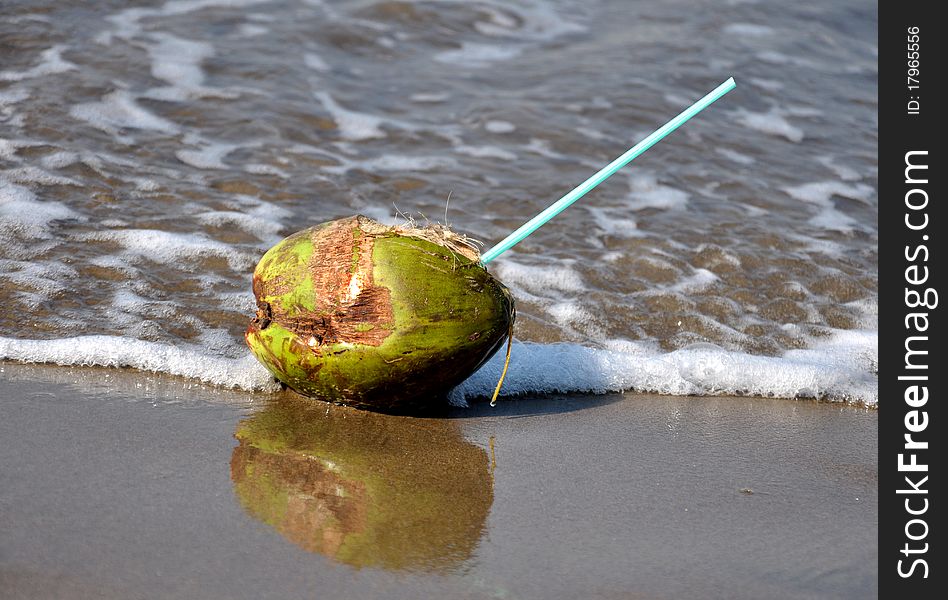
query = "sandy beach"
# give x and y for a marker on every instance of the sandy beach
(118, 484)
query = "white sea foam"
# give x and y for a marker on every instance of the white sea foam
(500, 23)
(209, 155)
(544, 148)
(838, 368)
(771, 122)
(175, 60)
(315, 62)
(391, 162)
(110, 351)
(485, 152)
(613, 221)
(495, 126)
(741, 159)
(251, 30)
(110, 261)
(352, 125)
(13, 96)
(23, 213)
(171, 248)
(434, 98)
(265, 169)
(833, 219)
(540, 279)
(699, 281)
(820, 194)
(12, 118)
(31, 174)
(803, 111)
(180, 7)
(51, 63)
(769, 85)
(262, 219)
(59, 160)
(646, 192)
(830, 248)
(779, 58)
(593, 134)
(754, 211)
(748, 30)
(118, 110)
(127, 23)
(178, 61)
(9, 148)
(721, 256)
(570, 314)
(45, 279)
(476, 55)
(841, 171)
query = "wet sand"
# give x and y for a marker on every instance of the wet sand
(119, 484)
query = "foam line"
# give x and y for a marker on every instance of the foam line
(837, 368)
(113, 351)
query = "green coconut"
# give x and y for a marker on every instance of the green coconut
(363, 488)
(386, 318)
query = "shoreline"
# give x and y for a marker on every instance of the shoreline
(66, 373)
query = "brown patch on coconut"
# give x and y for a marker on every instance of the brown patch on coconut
(348, 306)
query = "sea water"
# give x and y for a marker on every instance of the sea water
(150, 155)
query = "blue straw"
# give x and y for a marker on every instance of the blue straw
(606, 172)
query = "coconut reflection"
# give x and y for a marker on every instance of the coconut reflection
(363, 488)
